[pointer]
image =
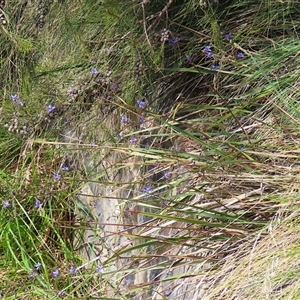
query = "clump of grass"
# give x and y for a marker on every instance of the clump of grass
(183, 117)
(266, 268)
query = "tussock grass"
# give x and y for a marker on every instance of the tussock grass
(203, 177)
(266, 265)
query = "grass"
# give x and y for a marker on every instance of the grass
(191, 196)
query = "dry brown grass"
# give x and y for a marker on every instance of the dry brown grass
(266, 267)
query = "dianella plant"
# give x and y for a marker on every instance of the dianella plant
(149, 149)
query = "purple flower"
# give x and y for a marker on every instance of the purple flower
(37, 203)
(119, 136)
(142, 120)
(21, 103)
(73, 270)
(6, 204)
(56, 176)
(189, 58)
(124, 119)
(55, 273)
(92, 144)
(114, 86)
(240, 54)
(173, 41)
(243, 147)
(133, 139)
(50, 108)
(147, 189)
(228, 37)
(65, 168)
(94, 71)
(37, 266)
(60, 293)
(209, 55)
(32, 275)
(99, 268)
(166, 174)
(207, 49)
(208, 52)
(214, 67)
(141, 103)
(14, 97)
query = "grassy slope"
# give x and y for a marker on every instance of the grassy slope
(232, 132)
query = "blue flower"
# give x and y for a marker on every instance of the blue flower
(166, 174)
(119, 136)
(124, 119)
(208, 52)
(21, 103)
(65, 168)
(214, 67)
(6, 204)
(55, 273)
(243, 147)
(173, 41)
(37, 266)
(240, 54)
(207, 49)
(147, 189)
(209, 55)
(99, 268)
(133, 139)
(94, 71)
(92, 144)
(32, 275)
(37, 203)
(189, 58)
(56, 176)
(50, 108)
(141, 103)
(114, 86)
(228, 37)
(73, 270)
(142, 120)
(14, 97)
(60, 293)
